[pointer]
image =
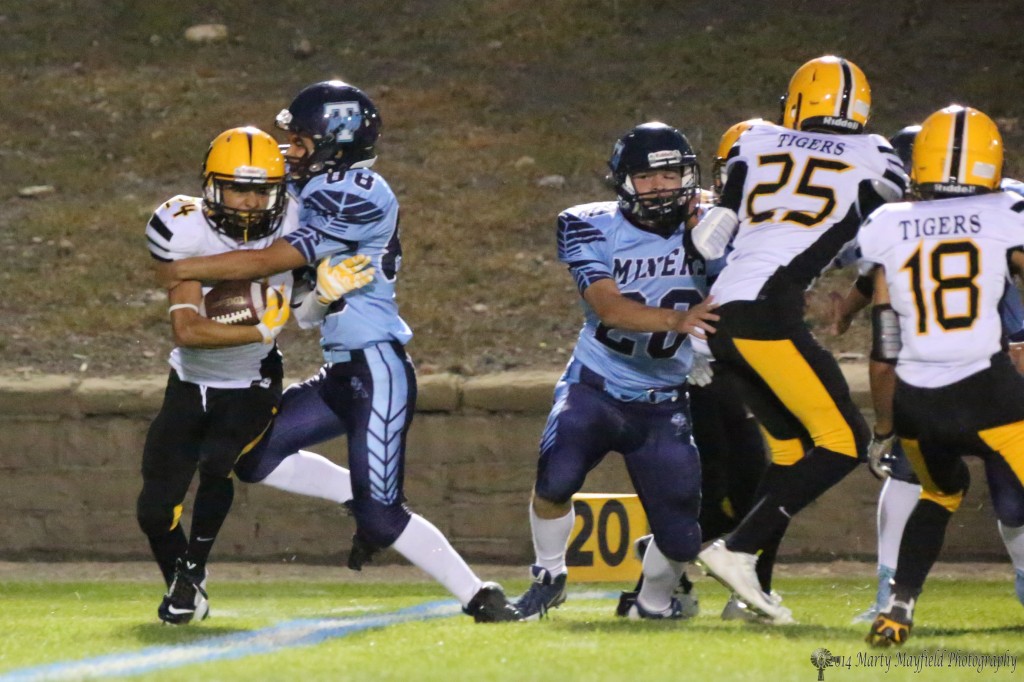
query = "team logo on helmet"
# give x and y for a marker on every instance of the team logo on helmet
(343, 119)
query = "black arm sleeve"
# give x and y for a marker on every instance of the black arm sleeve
(865, 286)
(732, 193)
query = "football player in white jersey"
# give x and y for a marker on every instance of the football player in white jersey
(366, 388)
(624, 388)
(795, 194)
(225, 380)
(886, 459)
(942, 269)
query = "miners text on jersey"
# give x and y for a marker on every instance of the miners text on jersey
(598, 242)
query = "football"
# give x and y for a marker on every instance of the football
(235, 302)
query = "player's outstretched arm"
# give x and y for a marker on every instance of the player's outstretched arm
(620, 312)
(843, 308)
(241, 264)
(882, 377)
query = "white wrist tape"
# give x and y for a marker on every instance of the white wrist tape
(183, 306)
(713, 233)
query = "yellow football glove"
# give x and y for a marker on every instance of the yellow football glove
(334, 281)
(275, 315)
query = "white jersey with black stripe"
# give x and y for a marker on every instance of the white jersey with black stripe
(178, 229)
(946, 267)
(798, 203)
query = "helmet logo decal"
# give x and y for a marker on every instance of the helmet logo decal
(343, 119)
(984, 170)
(667, 157)
(250, 173)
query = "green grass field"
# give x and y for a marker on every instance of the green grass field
(339, 631)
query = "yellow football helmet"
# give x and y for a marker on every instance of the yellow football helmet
(958, 151)
(830, 94)
(246, 161)
(729, 138)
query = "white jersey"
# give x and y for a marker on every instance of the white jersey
(178, 229)
(946, 266)
(799, 202)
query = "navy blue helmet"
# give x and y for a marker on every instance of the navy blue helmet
(343, 123)
(652, 146)
(903, 143)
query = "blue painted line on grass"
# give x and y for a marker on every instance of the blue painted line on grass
(287, 635)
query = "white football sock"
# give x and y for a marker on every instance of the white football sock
(1013, 538)
(895, 504)
(427, 548)
(661, 575)
(550, 538)
(308, 473)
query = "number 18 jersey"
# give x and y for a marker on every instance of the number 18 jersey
(797, 198)
(946, 266)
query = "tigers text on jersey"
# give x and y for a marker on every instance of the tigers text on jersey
(946, 266)
(344, 214)
(799, 202)
(178, 229)
(597, 242)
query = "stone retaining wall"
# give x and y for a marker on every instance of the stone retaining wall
(70, 450)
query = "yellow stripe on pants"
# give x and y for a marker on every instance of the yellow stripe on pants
(797, 385)
(1008, 441)
(929, 491)
(784, 452)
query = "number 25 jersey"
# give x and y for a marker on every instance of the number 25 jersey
(946, 266)
(798, 198)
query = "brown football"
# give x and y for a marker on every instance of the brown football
(235, 302)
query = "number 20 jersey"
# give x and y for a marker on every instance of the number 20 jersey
(799, 202)
(597, 242)
(946, 266)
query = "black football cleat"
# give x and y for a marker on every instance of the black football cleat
(490, 605)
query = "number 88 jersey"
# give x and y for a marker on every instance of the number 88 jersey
(946, 266)
(798, 199)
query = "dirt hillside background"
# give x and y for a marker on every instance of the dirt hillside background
(497, 115)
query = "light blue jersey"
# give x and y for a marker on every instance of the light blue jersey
(597, 242)
(344, 214)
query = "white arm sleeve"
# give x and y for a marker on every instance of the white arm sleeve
(713, 233)
(308, 311)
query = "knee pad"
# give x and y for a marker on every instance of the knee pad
(249, 469)
(951, 490)
(155, 519)
(216, 467)
(556, 492)
(1009, 510)
(681, 542)
(378, 524)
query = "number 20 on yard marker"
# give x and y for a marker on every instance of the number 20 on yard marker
(601, 546)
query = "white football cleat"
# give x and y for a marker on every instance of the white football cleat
(737, 609)
(735, 570)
